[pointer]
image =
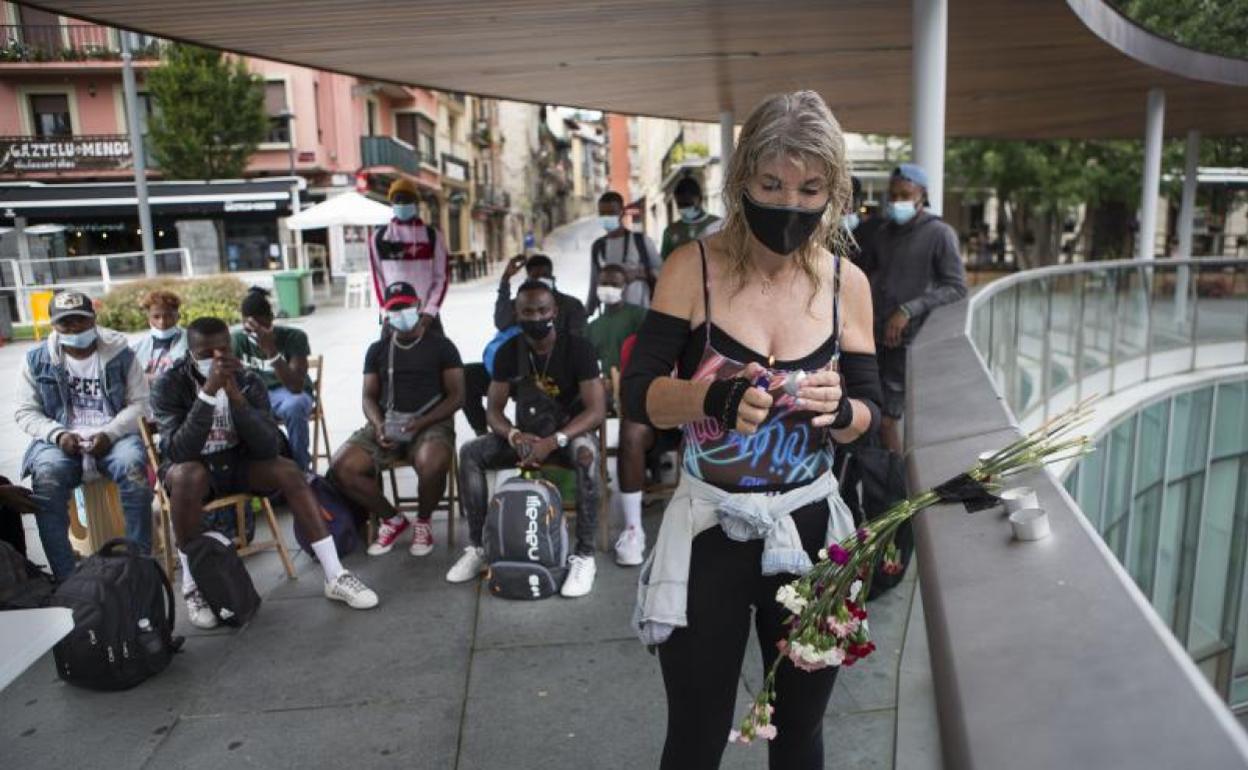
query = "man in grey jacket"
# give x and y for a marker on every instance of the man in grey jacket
(914, 266)
(80, 398)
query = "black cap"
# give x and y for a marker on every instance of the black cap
(65, 304)
(399, 292)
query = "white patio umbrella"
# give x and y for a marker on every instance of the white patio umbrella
(349, 208)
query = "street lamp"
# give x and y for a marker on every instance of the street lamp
(289, 116)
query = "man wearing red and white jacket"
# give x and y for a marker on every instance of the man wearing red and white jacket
(409, 251)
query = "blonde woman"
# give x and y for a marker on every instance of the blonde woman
(770, 336)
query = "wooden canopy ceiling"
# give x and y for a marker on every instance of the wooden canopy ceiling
(1016, 68)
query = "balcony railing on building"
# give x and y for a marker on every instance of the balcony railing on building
(69, 43)
(491, 198)
(388, 151)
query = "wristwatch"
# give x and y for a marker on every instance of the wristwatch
(561, 439)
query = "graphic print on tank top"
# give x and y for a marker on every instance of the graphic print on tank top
(787, 451)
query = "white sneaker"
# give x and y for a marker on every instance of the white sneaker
(630, 548)
(581, 571)
(349, 589)
(471, 564)
(198, 611)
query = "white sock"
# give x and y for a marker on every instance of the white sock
(188, 582)
(395, 520)
(327, 555)
(631, 502)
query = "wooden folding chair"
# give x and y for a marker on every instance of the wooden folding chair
(238, 502)
(320, 431)
(103, 514)
(411, 503)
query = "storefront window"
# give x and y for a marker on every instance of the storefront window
(251, 246)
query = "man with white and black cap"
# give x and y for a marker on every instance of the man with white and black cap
(915, 266)
(80, 397)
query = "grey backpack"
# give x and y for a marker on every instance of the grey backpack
(526, 539)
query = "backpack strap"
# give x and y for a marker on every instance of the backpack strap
(639, 239)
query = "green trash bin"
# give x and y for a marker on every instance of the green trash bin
(290, 288)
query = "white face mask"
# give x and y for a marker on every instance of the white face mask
(204, 365)
(610, 295)
(406, 319)
(165, 334)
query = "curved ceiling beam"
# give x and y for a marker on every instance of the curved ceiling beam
(1147, 47)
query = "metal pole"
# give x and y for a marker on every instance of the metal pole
(1147, 246)
(1187, 213)
(927, 83)
(727, 138)
(294, 189)
(138, 152)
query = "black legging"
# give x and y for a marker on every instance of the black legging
(702, 662)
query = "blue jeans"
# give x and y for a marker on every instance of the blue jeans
(54, 475)
(293, 410)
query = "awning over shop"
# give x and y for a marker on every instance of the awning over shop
(50, 202)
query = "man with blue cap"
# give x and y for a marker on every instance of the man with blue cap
(915, 266)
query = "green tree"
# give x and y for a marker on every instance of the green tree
(1215, 26)
(208, 114)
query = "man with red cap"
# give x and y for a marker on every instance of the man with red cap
(413, 385)
(409, 251)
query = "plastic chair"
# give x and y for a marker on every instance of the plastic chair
(39, 311)
(357, 288)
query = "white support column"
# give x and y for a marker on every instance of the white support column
(727, 140)
(1187, 213)
(930, 32)
(1187, 209)
(139, 154)
(1153, 132)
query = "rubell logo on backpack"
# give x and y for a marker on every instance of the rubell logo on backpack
(532, 507)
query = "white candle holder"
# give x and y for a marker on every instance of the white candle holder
(1018, 498)
(1030, 524)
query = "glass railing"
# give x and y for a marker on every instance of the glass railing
(1052, 336)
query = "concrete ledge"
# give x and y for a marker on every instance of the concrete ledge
(1043, 654)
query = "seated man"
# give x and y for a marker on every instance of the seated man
(617, 322)
(413, 383)
(279, 354)
(165, 341)
(218, 438)
(80, 396)
(570, 315)
(554, 380)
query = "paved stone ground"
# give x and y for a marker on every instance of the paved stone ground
(439, 676)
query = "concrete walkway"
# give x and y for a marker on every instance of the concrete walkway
(439, 676)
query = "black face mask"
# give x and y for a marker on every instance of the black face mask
(780, 228)
(537, 330)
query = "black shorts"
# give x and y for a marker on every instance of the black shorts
(227, 474)
(892, 380)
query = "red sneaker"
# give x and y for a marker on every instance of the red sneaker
(386, 535)
(422, 538)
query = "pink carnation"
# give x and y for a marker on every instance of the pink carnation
(838, 554)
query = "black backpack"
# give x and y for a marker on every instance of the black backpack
(123, 619)
(23, 586)
(526, 539)
(222, 579)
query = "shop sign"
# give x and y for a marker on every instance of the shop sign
(23, 153)
(250, 206)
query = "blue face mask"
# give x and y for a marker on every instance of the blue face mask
(850, 222)
(406, 319)
(902, 212)
(80, 340)
(690, 213)
(610, 224)
(164, 334)
(404, 211)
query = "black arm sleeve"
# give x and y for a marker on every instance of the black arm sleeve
(861, 374)
(660, 341)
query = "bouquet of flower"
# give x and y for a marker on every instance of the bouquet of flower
(828, 621)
